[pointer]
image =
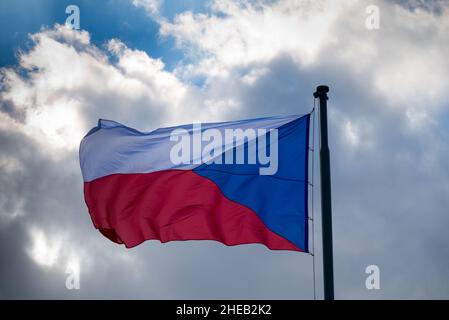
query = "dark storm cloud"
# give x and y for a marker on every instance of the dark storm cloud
(434, 6)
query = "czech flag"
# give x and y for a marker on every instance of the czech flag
(235, 182)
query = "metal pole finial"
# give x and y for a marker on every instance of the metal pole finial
(321, 91)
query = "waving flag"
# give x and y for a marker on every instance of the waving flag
(234, 182)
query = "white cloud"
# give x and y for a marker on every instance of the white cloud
(70, 83)
(44, 250)
(405, 61)
(242, 32)
(150, 6)
(351, 134)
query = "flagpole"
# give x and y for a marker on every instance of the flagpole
(326, 205)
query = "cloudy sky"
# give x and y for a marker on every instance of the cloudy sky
(154, 63)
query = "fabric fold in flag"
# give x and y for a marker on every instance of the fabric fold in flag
(236, 182)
